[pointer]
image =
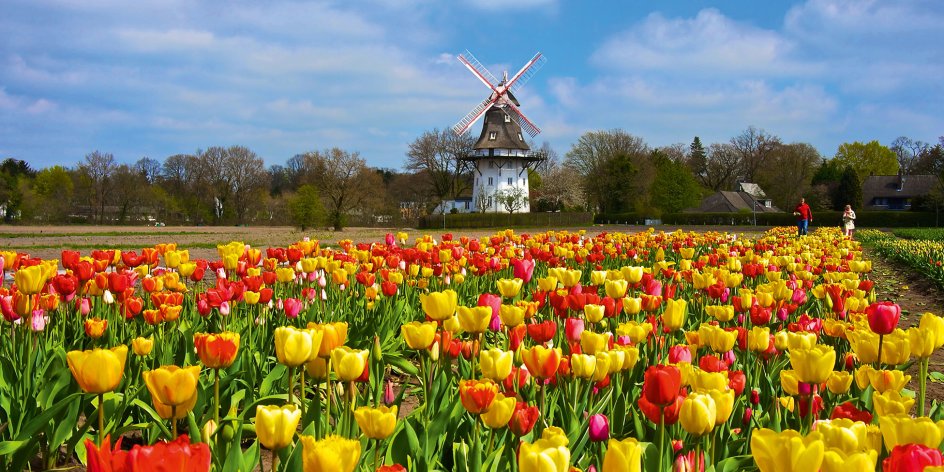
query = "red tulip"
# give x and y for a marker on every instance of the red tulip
(523, 419)
(599, 428)
(106, 459)
(523, 269)
(661, 384)
(175, 455)
(736, 381)
(542, 332)
(712, 363)
(883, 317)
(653, 411)
(911, 458)
(680, 353)
(848, 410)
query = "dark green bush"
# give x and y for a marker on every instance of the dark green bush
(505, 220)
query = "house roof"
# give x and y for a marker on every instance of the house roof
(752, 189)
(887, 186)
(730, 202)
(507, 132)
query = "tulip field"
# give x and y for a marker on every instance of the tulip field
(554, 351)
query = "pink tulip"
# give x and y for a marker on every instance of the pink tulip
(6, 305)
(599, 428)
(83, 306)
(680, 353)
(523, 269)
(224, 308)
(573, 327)
(389, 397)
(390, 240)
(39, 320)
(883, 317)
(293, 307)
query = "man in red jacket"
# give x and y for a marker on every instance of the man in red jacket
(804, 217)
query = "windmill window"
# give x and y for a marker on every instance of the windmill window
(507, 118)
(520, 137)
(509, 180)
(490, 182)
(492, 135)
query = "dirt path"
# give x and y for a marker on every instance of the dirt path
(916, 295)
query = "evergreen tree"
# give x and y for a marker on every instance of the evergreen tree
(849, 191)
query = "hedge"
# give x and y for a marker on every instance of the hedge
(506, 220)
(874, 219)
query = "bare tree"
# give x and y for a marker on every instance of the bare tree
(344, 180)
(246, 178)
(753, 147)
(97, 170)
(908, 152)
(149, 168)
(611, 162)
(437, 155)
(721, 167)
(512, 199)
(789, 174)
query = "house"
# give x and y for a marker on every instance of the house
(895, 192)
(747, 197)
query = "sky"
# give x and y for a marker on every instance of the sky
(161, 77)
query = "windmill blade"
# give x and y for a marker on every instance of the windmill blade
(526, 125)
(478, 70)
(466, 122)
(526, 72)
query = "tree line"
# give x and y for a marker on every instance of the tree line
(607, 171)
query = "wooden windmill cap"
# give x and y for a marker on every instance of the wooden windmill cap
(507, 133)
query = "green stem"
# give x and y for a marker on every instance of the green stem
(216, 396)
(101, 418)
(376, 454)
(173, 420)
(881, 338)
(661, 436)
(923, 384)
(291, 384)
(302, 389)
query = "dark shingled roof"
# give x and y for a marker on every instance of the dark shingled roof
(725, 202)
(507, 132)
(887, 186)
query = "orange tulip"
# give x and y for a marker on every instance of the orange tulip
(477, 395)
(541, 361)
(217, 351)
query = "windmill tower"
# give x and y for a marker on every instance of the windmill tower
(501, 157)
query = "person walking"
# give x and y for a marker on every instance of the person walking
(804, 217)
(848, 221)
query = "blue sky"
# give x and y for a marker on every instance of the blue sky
(160, 77)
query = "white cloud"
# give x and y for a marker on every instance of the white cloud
(510, 5)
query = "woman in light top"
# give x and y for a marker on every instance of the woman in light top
(848, 220)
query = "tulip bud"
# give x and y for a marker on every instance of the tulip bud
(224, 308)
(108, 297)
(747, 416)
(388, 396)
(208, 430)
(599, 428)
(377, 351)
(434, 351)
(755, 397)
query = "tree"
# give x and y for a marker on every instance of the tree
(867, 158)
(674, 187)
(512, 199)
(789, 172)
(13, 174)
(306, 208)
(246, 178)
(97, 171)
(437, 155)
(697, 158)
(344, 180)
(53, 189)
(908, 152)
(825, 182)
(614, 168)
(754, 148)
(721, 168)
(849, 191)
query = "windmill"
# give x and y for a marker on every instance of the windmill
(501, 157)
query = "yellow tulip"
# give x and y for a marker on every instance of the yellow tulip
(439, 305)
(922, 342)
(293, 346)
(789, 382)
(722, 313)
(886, 380)
(376, 423)
(499, 412)
(839, 382)
(317, 368)
(511, 315)
(172, 385)
(632, 305)
(862, 376)
(801, 340)
(275, 426)
(509, 288)
(548, 454)
(496, 364)
(632, 274)
(251, 298)
(934, 324)
(631, 357)
(787, 451)
(617, 358)
(698, 414)
(333, 453)
(419, 335)
(724, 404)
(349, 363)
(622, 456)
(332, 336)
(594, 313)
(758, 339)
(864, 344)
(721, 341)
(474, 319)
(592, 343)
(835, 460)
(844, 434)
(615, 288)
(583, 365)
(891, 403)
(813, 365)
(895, 348)
(675, 313)
(142, 346)
(30, 280)
(637, 332)
(898, 429)
(547, 284)
(569, 278)
(98, 370)
(179, 412)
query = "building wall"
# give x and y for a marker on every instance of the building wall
(499, 175)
